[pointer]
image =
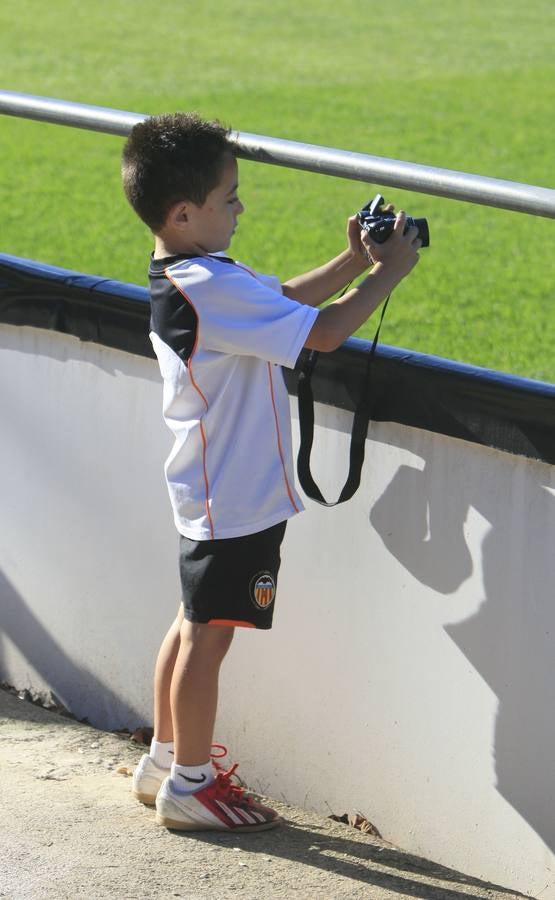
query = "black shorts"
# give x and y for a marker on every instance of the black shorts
(231, 581)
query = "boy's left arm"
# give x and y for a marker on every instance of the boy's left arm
(313, 288)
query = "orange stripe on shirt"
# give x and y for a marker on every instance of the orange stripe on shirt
(196, 387)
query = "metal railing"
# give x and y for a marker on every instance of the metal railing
(526, 198)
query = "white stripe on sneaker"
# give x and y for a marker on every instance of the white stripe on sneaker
(258, 815)
(234, 818)
(249, 818)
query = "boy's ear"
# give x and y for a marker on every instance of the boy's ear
(178, 214)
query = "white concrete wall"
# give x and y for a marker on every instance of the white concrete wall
(410, 672)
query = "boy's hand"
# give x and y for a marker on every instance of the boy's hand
(354, 238)
(399, 251)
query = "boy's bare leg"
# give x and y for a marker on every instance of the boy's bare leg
(163, 672)
(194, 689)
(217, 805)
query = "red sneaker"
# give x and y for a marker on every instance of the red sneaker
(148, 777)
(221, 806)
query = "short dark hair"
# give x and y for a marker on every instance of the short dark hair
(172, 157)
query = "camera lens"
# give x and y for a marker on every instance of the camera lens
(423, 230)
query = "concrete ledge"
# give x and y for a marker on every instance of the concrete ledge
(70, 829)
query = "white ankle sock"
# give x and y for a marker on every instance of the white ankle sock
(187, 779)
(161, 753)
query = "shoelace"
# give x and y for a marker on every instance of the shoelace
(225, 787)
(220, 769)
(217, 756)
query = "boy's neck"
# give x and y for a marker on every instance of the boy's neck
(163, 249)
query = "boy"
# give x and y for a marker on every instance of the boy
(221, 332)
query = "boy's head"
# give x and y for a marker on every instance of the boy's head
(172, 158)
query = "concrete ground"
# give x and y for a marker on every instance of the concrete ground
(70, 829)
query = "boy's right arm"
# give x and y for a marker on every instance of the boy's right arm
(393, 259)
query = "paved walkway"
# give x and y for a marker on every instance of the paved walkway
(70, 829)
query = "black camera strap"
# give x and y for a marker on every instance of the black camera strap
(358, 434)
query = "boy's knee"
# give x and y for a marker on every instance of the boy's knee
(206, 640)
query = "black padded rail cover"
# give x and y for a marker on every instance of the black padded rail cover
(89, 307)
(513, 414)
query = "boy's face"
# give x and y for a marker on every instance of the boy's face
(211, 226)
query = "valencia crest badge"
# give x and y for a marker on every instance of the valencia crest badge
(263, 590)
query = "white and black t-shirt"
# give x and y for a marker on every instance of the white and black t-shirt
(221, 332)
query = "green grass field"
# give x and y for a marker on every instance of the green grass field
(463, 86)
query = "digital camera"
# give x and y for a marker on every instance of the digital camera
(379, 224)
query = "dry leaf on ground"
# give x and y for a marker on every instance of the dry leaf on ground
(358, 821)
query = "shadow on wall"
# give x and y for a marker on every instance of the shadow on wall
(66, 348)
(70, 683)
(510, 638)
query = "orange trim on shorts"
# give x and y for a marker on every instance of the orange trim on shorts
(231, 622)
